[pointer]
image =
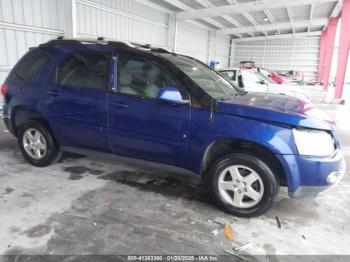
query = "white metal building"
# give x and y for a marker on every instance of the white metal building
(276, 34)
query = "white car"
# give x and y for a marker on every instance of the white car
(252, 81)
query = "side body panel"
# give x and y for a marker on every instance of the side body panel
(79, 113)
(149, 129)
(25, 95)
(277, 139)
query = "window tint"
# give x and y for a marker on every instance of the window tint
(29, 66)
(141, 77)
(84, 70)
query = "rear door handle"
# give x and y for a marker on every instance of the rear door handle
(53, 93)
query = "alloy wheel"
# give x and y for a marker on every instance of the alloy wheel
(34, 143)
(240, 186)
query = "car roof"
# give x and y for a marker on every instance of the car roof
(102, 43)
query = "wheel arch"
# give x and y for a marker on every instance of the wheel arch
(224, 147)
(22, 114)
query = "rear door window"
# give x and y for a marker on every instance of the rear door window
(84, 70)
(28, 67)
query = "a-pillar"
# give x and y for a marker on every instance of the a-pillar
(343, 51)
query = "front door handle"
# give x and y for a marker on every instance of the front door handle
(53, 93)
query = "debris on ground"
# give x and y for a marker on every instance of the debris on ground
(228, 231)
(219, 220)
(215, 232)
(233, 253)
(242, 247)
(236, 250)
(278, 222)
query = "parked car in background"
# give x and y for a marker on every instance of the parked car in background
(273, 76)
(253, 81)
(247, 64)
(166, 109)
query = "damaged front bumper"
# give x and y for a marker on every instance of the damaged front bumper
(308, 176)
(311, 191)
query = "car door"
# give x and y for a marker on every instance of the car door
(141, 126)
(252, 83)
(76, 97)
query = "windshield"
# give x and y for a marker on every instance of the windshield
(207, 79)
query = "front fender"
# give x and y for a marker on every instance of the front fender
(277, 139)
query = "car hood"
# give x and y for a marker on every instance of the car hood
(277, 108)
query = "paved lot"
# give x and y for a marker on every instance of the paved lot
(86, 205)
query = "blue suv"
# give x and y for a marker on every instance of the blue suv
(149, 104)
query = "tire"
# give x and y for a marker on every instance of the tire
(34, 136)
(243, 200)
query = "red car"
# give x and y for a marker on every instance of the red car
(267, 72)
(273, 76)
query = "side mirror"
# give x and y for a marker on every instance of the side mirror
(171, 95)
(263, 82)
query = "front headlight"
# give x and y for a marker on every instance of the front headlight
(311, 142)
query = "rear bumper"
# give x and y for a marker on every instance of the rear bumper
(6, 118)
(308, 176)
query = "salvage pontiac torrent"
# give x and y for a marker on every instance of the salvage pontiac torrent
(149, 104)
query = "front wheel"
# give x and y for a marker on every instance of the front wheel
(37, 144)
(243, 185)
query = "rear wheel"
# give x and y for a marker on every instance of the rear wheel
(37, 144)
(243, 185)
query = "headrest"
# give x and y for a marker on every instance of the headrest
(124, 76)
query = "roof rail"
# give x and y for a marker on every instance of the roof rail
(161, 50)
(146, 46)
(61, 40)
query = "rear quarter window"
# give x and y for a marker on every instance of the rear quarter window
(28, 67)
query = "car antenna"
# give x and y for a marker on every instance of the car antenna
(211, 115)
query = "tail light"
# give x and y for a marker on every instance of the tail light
(4, 89)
